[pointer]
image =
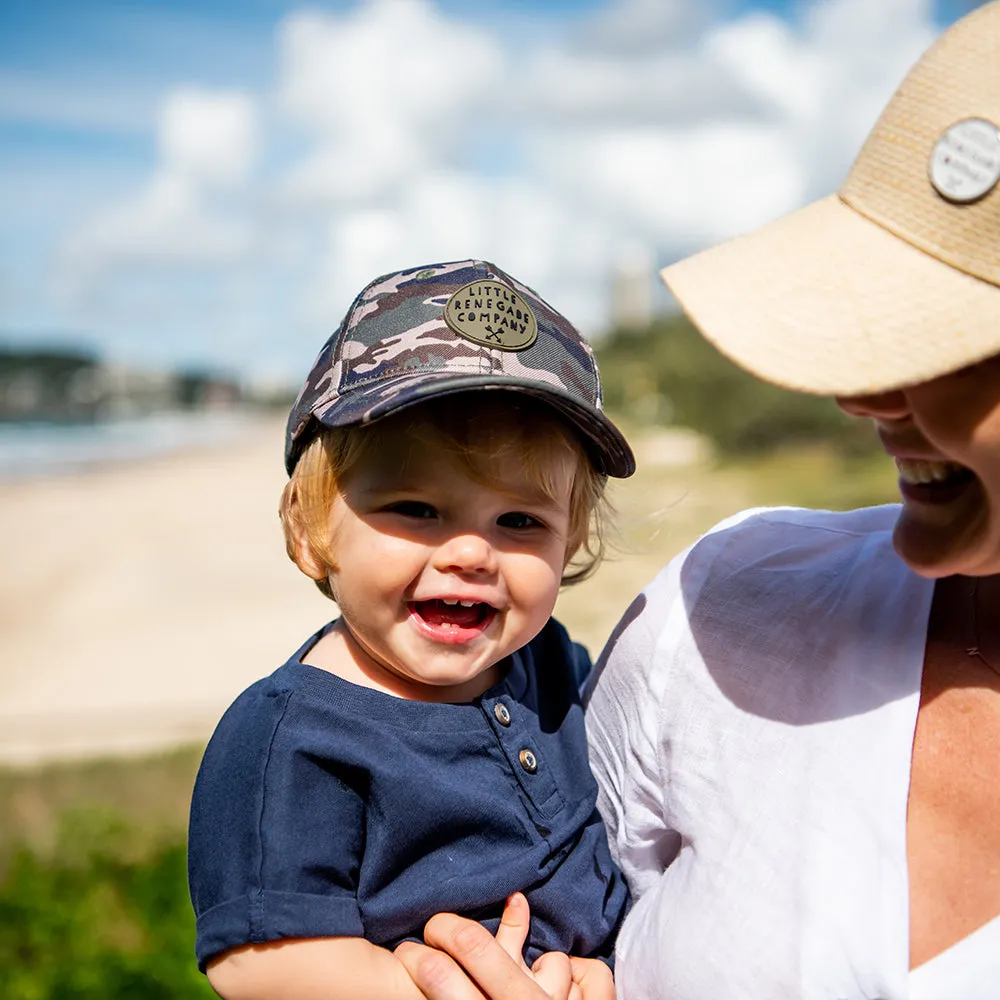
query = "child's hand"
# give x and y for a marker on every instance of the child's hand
(558, 974)
(460, 949)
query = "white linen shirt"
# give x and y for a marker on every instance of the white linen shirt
(751, 731)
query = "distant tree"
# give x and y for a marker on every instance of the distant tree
(54, 361)
(667, 373)
(48, 383)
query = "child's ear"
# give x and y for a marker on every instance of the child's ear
(300, 549)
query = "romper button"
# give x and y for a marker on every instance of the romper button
(501, 713)
(528, 761)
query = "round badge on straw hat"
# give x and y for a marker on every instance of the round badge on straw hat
(492, 314)
(965, 162)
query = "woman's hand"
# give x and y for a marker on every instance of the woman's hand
(462, 961)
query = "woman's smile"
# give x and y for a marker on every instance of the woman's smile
(933, 482)
(943, 435)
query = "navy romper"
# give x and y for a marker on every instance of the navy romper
(327, 809)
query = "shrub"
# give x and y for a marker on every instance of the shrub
(102, 917)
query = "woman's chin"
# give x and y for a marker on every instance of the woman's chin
(934, 546)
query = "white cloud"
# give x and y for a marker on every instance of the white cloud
(753, 118)
(341, 173)
(167, 223)
(396, 135)
(387, 62)
(386, 91)
(685, 188)
(208, 137)
(864, 50)
(762, 57)
(601, 87)
(631, 26)
(207, 143)
(445, 215)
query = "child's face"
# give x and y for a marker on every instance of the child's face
(438, 576)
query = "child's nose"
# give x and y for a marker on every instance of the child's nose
(466, 553)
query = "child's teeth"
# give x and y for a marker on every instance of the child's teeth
(918, 471)
(467, 604)
(446, 600)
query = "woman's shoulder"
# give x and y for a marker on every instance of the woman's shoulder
(771, 610)
(795, 540)
(803, 525)
(765, 575)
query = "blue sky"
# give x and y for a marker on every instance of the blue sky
(208, 182)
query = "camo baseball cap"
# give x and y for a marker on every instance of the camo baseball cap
(447, 328)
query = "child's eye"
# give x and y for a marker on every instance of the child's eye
(413, 508)
(518, 519)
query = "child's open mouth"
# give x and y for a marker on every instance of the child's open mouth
(452, 620)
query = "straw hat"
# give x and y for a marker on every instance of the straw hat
(894, 280)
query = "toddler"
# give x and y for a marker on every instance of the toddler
(425, 751)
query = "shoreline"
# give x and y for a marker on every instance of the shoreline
(31, 450)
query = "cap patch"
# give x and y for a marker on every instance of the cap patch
(491, 314)
(965, 163)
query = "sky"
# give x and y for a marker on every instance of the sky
(209, 183)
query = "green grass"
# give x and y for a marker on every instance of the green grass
(93, 881)
(102, 915)
(150, 794)
(820, 477)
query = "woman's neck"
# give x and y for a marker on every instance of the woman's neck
(966, 615)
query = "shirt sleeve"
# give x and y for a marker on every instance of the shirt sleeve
(623, 740)
(276, 830)
(645, 663)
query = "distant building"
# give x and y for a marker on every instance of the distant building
(126, 392)
(632, 288)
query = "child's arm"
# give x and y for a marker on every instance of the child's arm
(346, 968)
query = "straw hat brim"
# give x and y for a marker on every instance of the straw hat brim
(828, 302)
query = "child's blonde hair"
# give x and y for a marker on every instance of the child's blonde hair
(482, 435)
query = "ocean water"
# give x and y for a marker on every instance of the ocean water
(29, 450)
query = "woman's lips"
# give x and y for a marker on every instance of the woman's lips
(933, 482)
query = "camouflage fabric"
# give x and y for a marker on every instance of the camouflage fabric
(394, 349)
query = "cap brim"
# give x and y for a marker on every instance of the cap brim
(826, 301)
(606, 444)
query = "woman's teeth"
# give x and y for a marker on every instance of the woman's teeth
(913, 470)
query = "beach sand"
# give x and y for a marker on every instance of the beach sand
(137, 600)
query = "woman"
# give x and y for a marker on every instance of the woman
(797, 727)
